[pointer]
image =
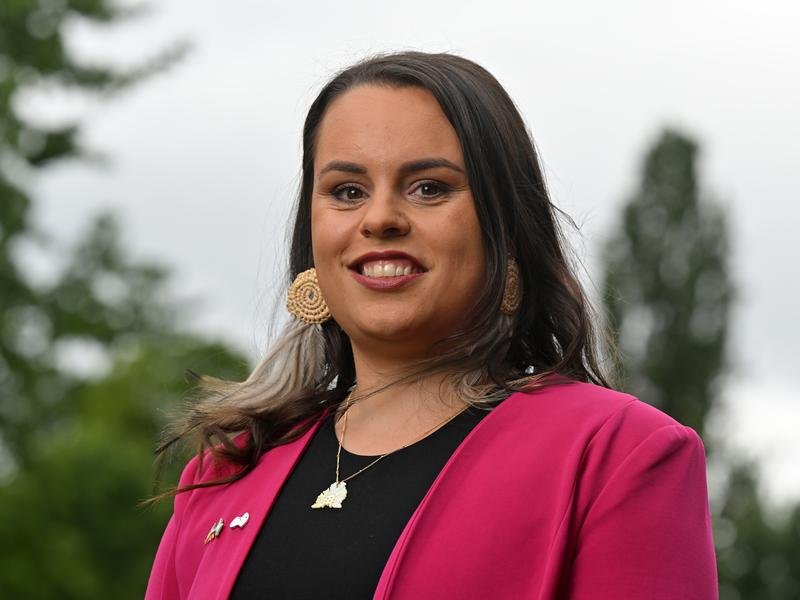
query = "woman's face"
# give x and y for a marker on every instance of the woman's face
(396, 241)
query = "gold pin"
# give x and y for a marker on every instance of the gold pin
(215, 531)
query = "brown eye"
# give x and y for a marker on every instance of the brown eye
(347, 193)
(432, 189)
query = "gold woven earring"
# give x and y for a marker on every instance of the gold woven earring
(512, 294)
(305, 299)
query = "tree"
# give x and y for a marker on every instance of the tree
(668, 293)
(33, 55)
(667, 288)
(72, 528)
(76, 450)
(757, 557)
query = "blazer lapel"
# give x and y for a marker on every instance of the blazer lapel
(436, 546)
(255, 494)
(393, 567)
(464, 464)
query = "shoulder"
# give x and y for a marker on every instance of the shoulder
(588, 421)
(592, 436)
(590, 407)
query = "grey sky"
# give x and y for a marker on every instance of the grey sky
(206, 157)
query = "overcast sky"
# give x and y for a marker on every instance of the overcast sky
(206, 156)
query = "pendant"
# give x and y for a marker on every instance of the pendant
(332, 497)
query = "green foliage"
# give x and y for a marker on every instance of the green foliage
(33, 54)
(757, 557)
(34, 322)
(667, 286)
(668, 292)
(76, 450)
(76, 531)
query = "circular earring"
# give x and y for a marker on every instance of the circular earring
(305, 299)
(512, 294)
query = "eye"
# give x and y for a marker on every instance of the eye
(347, 193)
(432, 189)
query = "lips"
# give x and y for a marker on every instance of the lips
(385, 271)
(390, 263)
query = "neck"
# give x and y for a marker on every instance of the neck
(390, 417)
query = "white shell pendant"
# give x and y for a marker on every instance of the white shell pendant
(332, 497)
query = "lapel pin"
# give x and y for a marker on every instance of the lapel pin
(240, 521)
(215, 531)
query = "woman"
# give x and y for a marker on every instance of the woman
(434, 422)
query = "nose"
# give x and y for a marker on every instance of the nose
(384, 216)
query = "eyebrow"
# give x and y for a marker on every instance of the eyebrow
(407, 167)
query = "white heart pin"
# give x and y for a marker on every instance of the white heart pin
(240, 521)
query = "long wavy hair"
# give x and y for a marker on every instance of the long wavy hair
(310, 369)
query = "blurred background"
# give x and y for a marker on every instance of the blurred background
(149, 159)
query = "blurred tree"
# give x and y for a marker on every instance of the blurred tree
(668, 293)
(667, 287)
(71, 528)
(75, 449)
(33, 56)
(758, 556)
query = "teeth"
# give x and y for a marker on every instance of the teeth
(389, 268)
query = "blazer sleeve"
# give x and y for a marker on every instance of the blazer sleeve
(163, 581)
(648, 532)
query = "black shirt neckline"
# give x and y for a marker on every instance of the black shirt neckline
(465, 415)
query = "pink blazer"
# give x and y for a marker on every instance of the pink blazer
(571, 492)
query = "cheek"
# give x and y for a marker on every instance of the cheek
(329, 238)
(465, 242)
(317, 231)
(471, 270)
(325, 236)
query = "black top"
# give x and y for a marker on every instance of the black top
(304, 552)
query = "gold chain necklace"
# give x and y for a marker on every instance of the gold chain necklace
(333, 496)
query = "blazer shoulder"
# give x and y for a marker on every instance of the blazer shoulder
(598, 430)
(594, 408)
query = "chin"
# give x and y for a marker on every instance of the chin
(389, 328)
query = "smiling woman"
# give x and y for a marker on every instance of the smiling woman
(443, 362)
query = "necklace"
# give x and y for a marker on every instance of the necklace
(333, 496)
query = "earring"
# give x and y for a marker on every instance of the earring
(305, 299)
(512, 294)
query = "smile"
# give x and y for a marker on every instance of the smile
(385, 271)
(386, 282)
(388, 268)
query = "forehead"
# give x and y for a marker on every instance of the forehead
(375, 124)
